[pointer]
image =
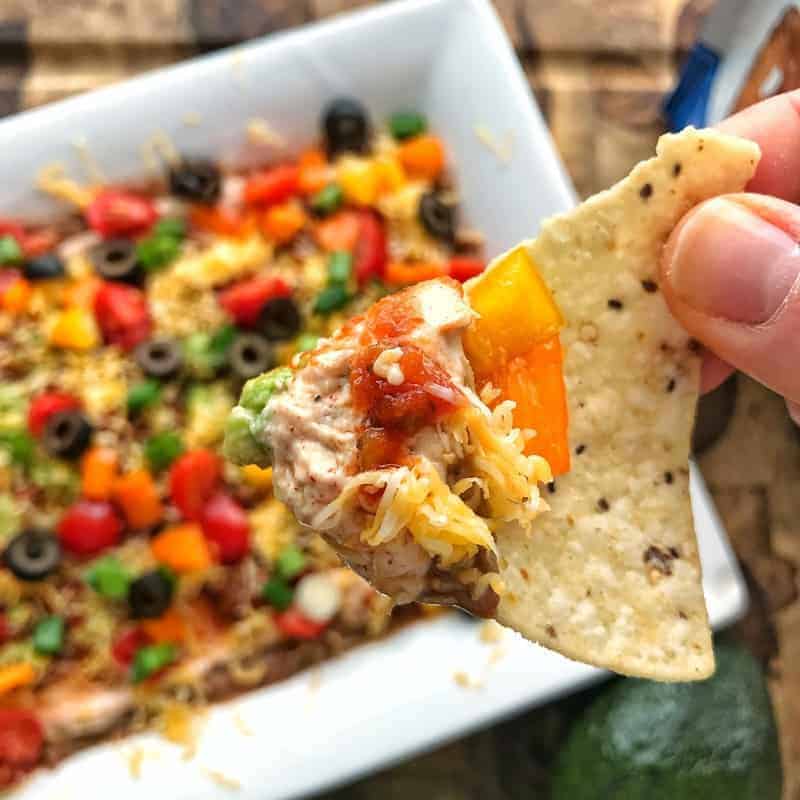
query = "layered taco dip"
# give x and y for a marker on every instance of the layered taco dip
(141, 574)
(518, 445)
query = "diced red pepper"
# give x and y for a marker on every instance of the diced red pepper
(37, 243)
(45, 406)
(127, 644)
(21, 743)
(462, 269)
(273, 186)
(89, 527)
(193, 479)
(244, 300)
(8, 277)
(371, 254)
(227, 528)
(8, 227)
(295, 625)
(122, 314)
(119, 212)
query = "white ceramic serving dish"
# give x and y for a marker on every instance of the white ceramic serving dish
(382, 702)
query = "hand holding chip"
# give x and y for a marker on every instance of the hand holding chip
(731, 269)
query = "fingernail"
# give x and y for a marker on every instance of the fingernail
(726, 261)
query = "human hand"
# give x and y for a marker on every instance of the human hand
(731, 268)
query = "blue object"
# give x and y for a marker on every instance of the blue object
(688, 103)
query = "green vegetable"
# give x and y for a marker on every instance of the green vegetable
(340, 267)
(278, 593)
(143, 394)
(205, 353)
(19, 445)
(306, 342)
(327, 200)
(151, 659)
(10, 251)
(257, 392)
(162, 449)
(162, 245)
(290, 562)
(406, 124)
(109, 578)
(48, 636)
(331, 298)
(714, 740)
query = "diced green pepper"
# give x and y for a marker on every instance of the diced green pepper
(205, 353)
(19, 445)
(331, 298)
(171, 226)
(109, 578)
(162, 245)
(257, 392)
(306, 342)
(162, 449)
(278, 593)
(406, 124)
(290, 562)
(144, 394)
(327, 200)
(10, 251)
(340, 267)
(48, 636)
(151, 659)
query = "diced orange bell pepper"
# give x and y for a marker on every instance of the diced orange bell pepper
(314, 172)
(182, 548)
(360, 180)
(422, 156)
(75, 329)
(257, 477)
(17, 296)
(339, 232)
(391, 175)
(535, 383)
(81, 292)
(222, 221)
(516, 312)
(401, 273)
(98, 473)
(170, 627)
(137, 495)
(283, 222)
(16, 676)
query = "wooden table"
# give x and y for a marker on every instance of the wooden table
(599, 70)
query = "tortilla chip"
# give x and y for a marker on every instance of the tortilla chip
(611, 575)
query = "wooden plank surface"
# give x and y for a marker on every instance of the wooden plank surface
(599, 70)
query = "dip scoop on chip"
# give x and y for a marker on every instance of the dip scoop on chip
(519, 446)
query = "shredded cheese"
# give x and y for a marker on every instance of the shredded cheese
(387, 366)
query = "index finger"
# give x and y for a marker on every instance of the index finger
(774, 125)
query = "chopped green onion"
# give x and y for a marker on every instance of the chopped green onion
(143, 394)
(306, 342)
(278, 593)
(109, 578)
(48, 636)
(19, 445)
(406, 124)
(10, 251)
(327, 200)
(340, 267)
(162, 449)
(151, 659)
(331, 298)
(290, 562)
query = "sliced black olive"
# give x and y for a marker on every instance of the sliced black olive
(280, 319)
(151, 595)
(32, 555)
(160, 358)
(44, 268)
(250, 355)
(67, 434)
(199, 181)
(346, 126)
(116, 260)
(437, 217)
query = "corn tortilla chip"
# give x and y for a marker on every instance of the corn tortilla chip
(611, 574)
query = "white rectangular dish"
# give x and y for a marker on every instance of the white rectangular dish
(382, 702)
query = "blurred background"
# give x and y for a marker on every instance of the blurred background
(600, 71)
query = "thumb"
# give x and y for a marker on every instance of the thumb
(730, 274)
